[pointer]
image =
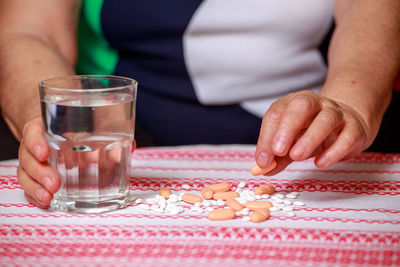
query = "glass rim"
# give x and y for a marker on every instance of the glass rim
(42, 84)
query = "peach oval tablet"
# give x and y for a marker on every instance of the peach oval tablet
(254, 205)
(257, 170)
(221, 214)
(220, 187)
(191, 198)
(165, 193)
(207, 193)
(234, 204)
(226, 195)
(264, 189)
(259, 216)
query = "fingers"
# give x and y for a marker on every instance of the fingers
(305, 124)
(41, 172)
(37, 194)
(283, 123)
(281, 164)
(37, 178)
(299, 111)
(34, 140)
(323, 125)
(349, 143)
(264, 154)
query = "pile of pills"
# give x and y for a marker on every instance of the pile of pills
(221, 203)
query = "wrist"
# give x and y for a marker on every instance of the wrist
(369, 101)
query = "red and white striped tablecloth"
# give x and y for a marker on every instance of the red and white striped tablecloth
(351, 217)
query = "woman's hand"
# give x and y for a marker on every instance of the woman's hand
(305, 124)
(35, 175)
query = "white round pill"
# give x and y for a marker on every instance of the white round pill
(298, 203)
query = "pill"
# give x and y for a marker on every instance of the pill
(291, 214)
(291, 196)
(207, 193)
(186, 186)
(225, 195)
(253, 205)
(265, 196)
(165, 193)
(250, 198)
(245, 211)
(220, 202)
(174, 211)
(264, 189)
(221, 214)
(173, 198)
(241, 185)
(220, 187)
(259, 216)
(274, 209)
(287, 208)
(191, 198)
(246, 218)
(287, 202)
(279, 196)
(257, 170)
(206, 203)
(298, 203)
(234, 204)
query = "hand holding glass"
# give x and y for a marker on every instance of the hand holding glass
(89, 126)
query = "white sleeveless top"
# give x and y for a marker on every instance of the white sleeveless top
(261, 50)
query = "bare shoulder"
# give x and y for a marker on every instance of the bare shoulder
(37, 15)
(51, 22)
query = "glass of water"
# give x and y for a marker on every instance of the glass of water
(89, 126)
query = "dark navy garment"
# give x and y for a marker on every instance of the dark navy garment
(145, 40)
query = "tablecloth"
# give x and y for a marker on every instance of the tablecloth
(351, 216)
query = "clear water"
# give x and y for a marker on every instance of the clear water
(90, 141)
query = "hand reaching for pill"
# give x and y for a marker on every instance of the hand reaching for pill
(305, 124)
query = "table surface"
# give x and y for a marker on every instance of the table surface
(351, 216)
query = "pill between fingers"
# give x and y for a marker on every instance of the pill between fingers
(257, 170)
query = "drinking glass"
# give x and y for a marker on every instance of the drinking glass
(89, 126)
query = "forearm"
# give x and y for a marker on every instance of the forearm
(25, 60)
(364, 58)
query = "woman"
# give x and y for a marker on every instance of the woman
(215, 66)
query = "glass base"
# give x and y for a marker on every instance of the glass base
(88, 207)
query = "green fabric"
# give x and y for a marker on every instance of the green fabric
(95, 56)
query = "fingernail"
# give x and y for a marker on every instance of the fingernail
(40, 192)
(263, 159)
(37, 150)
(47, 182)
(298, 151)
(280, 146)
(323, 162)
